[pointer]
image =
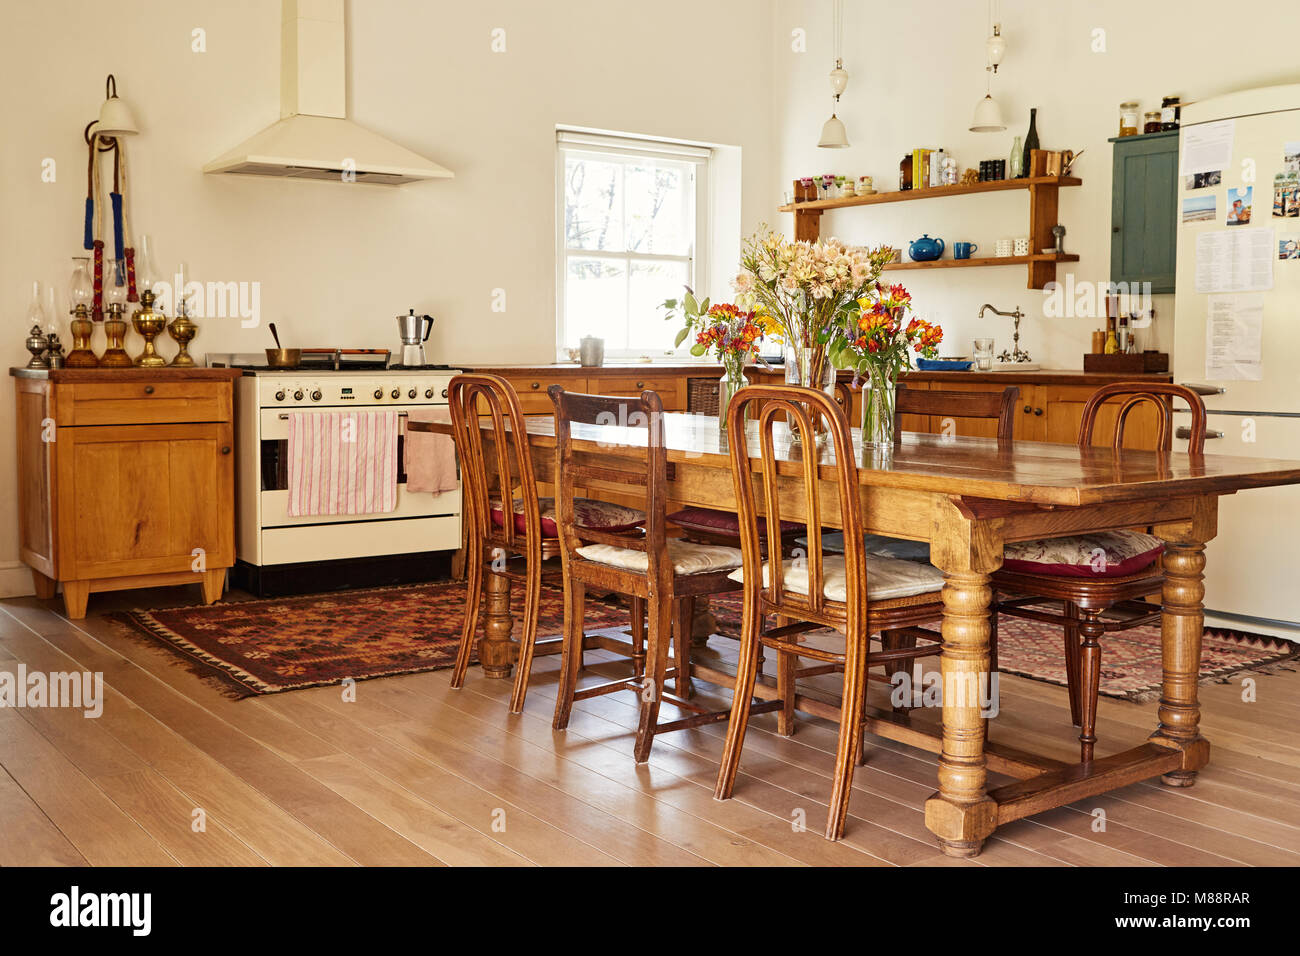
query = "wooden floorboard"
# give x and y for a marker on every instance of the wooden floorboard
(415, 773)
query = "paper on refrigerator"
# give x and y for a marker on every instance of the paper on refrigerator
(1234, 260)
(1207, 147)
(1234, 339)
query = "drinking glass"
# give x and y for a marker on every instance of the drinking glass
(983, 354)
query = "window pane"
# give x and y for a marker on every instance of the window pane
(649, 283)
(595, 301)
(660, 209)
(593, 204)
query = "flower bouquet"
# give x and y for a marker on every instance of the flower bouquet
(725, 329)
(877, 343)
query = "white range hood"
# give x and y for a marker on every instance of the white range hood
(314, 139)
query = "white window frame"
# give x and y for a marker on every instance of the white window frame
(581, 141)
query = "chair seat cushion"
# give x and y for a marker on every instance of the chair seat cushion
(879, 544)
(687, 557)
(1109, 554)
(886, 577)
(588, 512)
(722, 522)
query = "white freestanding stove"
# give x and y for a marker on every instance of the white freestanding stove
(278, 554)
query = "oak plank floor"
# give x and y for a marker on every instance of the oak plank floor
(414, 773)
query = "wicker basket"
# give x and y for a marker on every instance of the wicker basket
(702, 396)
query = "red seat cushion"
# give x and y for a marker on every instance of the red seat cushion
(589, 513)
(1108, 554)
(723, 522)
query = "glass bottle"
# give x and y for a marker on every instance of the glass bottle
(905, 174)
(1015, 162)
(1031, 144)
(1170, 112)
(1128, 118)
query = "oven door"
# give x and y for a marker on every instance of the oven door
(274, 493)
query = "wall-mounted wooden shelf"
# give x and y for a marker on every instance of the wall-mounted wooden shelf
(1043, 193)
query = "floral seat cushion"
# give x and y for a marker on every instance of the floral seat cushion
(722, 522)
(1107, 554)
(886, 577)
(687, 557)
(588, 512)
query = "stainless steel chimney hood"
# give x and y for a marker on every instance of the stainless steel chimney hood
(314, 139)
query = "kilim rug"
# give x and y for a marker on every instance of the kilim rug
(268, 646)
(1130, 660)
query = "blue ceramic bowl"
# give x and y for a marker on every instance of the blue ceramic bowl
(942, 365)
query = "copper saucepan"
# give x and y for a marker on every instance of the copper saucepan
(282, 358)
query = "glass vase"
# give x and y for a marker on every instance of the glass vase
(810, 368)
(878, 405)
(732, 381)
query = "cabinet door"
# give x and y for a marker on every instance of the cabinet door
(1027, 422)
(139, 499)
(1144, 220)
(1064, 408)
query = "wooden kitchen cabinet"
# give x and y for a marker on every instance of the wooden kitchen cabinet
(126, 479)
(1064, 411)
(1144, 217)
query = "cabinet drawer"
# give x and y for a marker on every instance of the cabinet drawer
(533, 399)
(671, 388)
(143, 403)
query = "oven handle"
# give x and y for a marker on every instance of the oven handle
(284, 416)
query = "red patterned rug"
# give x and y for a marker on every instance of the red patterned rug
(1130, 660)
(268, 646)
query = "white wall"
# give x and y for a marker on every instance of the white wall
(337, 262)
(916, 73)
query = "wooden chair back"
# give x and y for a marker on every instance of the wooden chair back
(642, 418)
(1132, 395)
(1002, 406)
(798, 408)
(471, 399)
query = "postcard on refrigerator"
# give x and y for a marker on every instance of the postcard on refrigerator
(1240, 199)
(1288, 247)
(1234, 326)
(1207, 146)
(1286, 197)
(1200, 208)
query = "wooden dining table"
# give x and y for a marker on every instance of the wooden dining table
(968, 497)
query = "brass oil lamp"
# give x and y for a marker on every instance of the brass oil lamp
(149, 325)
(115, 325)
(182, 328)
(80, 292)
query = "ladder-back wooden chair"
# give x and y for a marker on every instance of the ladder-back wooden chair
(946, 404)
(855, 593)
(661, 573)
(1092, 574)
(517, 541)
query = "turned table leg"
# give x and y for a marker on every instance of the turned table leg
(703, 625)
(497, 652)
(961, 814)
(1182, 627)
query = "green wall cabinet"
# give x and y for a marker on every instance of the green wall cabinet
(1143, 211)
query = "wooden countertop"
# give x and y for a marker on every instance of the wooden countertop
(75, 376)
(1040, 377)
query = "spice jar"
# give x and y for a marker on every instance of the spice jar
(1171, 110)
(1151, 122)
(1128, 118)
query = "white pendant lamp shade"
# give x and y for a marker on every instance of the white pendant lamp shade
(988, 117)
(115, 118)
(834, 135)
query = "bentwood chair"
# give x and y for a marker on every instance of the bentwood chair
(854, 593)
(523, 547)
(665, 574)
(1092, 574)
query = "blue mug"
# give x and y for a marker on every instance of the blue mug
(963, 250)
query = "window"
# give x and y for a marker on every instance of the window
(632, 224)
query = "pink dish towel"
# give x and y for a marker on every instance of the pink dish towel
(342, 463)
(430, 460)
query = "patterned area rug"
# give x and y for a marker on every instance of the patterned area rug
(268, 646)
(1130, 660)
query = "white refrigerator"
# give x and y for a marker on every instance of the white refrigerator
(1253, 566)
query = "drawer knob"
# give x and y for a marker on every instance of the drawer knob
(225, 449)
(535, 386)
(640, 384)
(148, 389)
(1038, 411)
(1028, 409)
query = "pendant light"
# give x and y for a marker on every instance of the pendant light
(834, 135)
(988, 115)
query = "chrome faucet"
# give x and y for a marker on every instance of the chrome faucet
(1015, 354)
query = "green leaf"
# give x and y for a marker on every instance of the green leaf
(681, 336)
(692, 307)
(697, 350)
(704, 306)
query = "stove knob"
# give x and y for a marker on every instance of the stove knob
(297, 396)
(279, 396)
(315, 395)
(411, 394)
(379, 393)
(444, 393)
(397, 393)
(428, 393)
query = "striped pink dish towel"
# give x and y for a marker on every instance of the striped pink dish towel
(342, 463)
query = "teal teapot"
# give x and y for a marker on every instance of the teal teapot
(925, 249)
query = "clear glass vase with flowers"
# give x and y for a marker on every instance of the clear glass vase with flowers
(726, 330)
(877, 342)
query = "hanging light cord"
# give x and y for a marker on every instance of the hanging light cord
(837, 31)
